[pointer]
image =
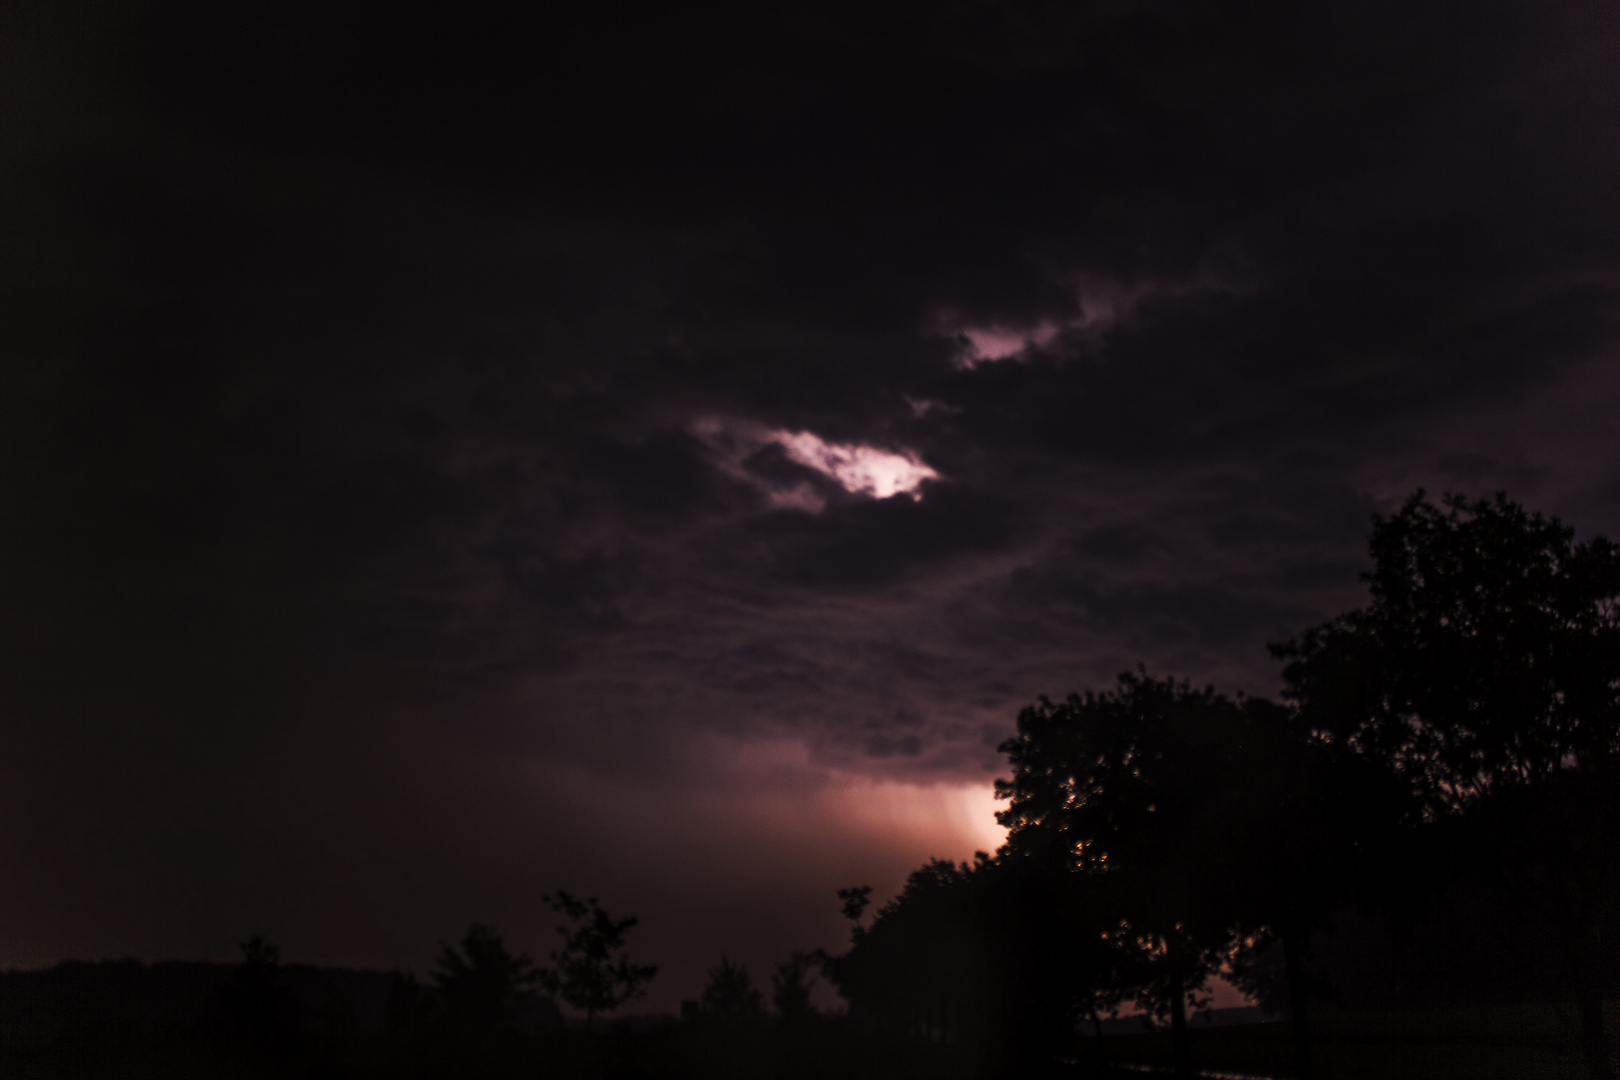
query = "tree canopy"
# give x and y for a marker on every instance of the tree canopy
(1135, 789)
(1489, 654)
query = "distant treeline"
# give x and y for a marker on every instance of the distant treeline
(76, 1000)
(476, 1018)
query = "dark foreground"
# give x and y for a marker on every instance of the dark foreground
(674, 1052)
(1525, 1042)
(1506, 1042)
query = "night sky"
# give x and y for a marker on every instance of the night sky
(655, 450)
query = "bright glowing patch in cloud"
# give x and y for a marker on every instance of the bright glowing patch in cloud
(988, 343)
(862, 470)
(956, 820)
(789, 792)
(858, 468)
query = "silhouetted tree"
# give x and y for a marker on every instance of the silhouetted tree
(592, 971)
(791, 987)
(1126, 789)
(1197, 822)
(481, 984)
(730, 994)
(1485, 673)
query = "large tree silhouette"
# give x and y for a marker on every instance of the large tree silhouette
(1196, 821)
(1485, 673)
(1126, 788)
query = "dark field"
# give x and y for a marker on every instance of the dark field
(1525, 1042)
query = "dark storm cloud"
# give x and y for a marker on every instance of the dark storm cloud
(398, 414)
(866, 543)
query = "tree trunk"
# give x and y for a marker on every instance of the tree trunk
(1179, 1040)
(1298, 1002)
(1589, 1005)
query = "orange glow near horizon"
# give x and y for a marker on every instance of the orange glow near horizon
(888, 821)
(946, 821)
